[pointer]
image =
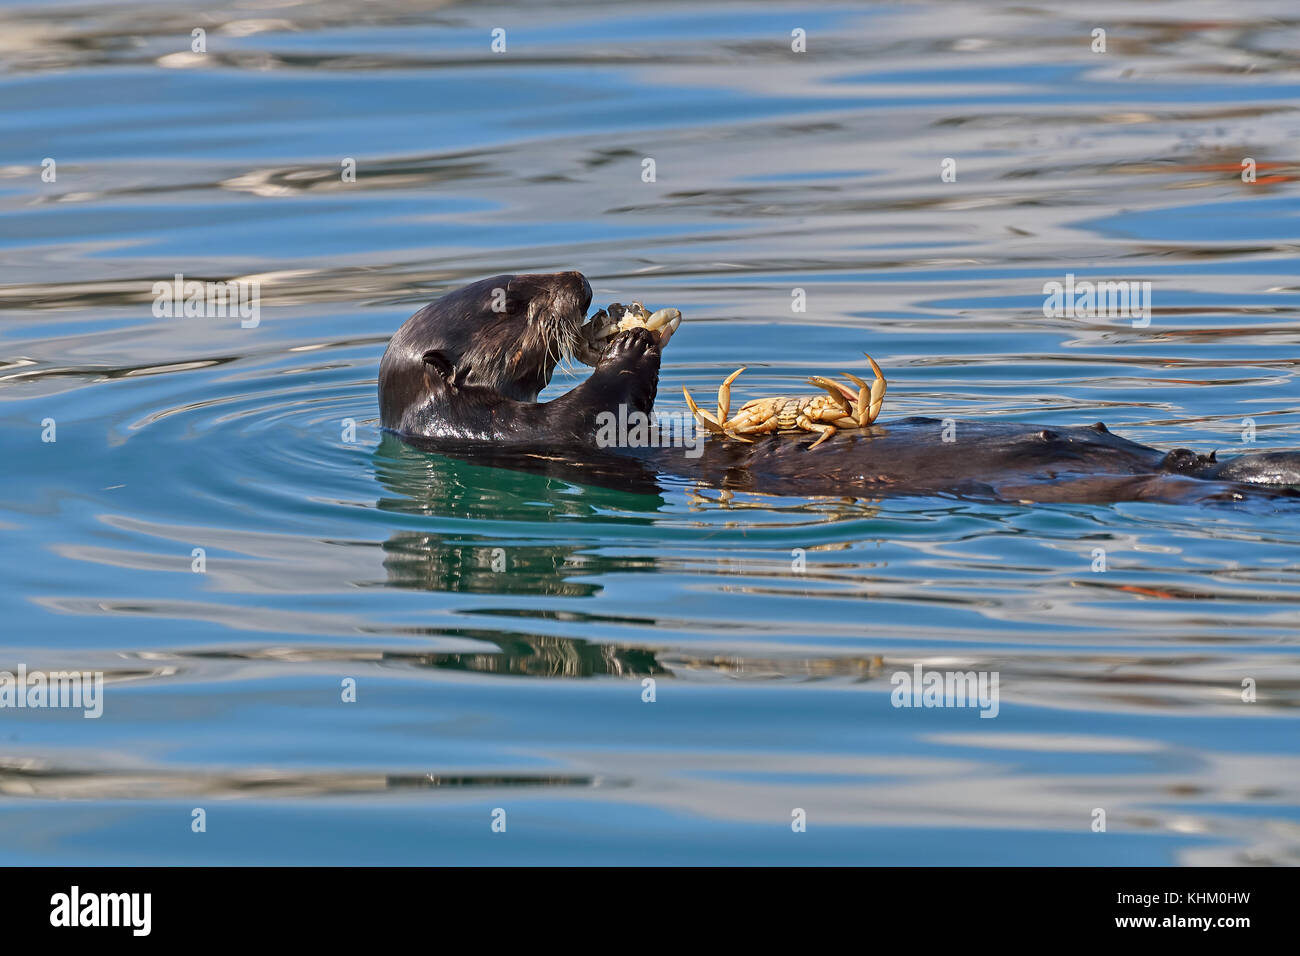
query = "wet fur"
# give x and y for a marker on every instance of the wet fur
(459, 370)
(459, 374)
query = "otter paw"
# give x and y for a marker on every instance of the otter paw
(630, 350)
(628, 374)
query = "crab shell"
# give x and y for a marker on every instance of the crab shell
(782, 412)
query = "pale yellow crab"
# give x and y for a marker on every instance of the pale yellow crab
(608, 322)
(637, 315)
(841, 407)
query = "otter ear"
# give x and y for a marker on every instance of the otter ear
(517, 293)
(439, 363)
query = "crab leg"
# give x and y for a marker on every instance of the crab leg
(843, 396)
(809, 425)
(720, 423)
(869, 398)
(724, 395)
(703, 417)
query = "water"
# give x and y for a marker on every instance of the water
(521, 689)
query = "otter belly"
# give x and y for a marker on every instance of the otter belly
(987, 460)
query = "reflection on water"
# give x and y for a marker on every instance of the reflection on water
(596, 646)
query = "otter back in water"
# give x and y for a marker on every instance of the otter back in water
(462, 377)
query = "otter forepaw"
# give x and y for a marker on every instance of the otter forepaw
(628, 372)
(630, 351)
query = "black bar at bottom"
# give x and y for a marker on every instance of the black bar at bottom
(304, 905)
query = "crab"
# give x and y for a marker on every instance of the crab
(615, 318)
(840, 407)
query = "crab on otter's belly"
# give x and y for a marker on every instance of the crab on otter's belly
(463, 374)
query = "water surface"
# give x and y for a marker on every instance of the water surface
(499, 626)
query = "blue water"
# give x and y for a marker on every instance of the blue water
(512, 680)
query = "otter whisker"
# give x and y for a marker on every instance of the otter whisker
(568, 346)
(560, 340)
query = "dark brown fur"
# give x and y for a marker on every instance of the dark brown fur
(469, 367)
(463, 378)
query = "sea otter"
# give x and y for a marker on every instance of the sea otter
(469, 367)
(462, 377)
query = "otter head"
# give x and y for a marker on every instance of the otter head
(505, 333)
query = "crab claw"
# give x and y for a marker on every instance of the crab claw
(869, 398)
(661, 318)
(665, 322)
